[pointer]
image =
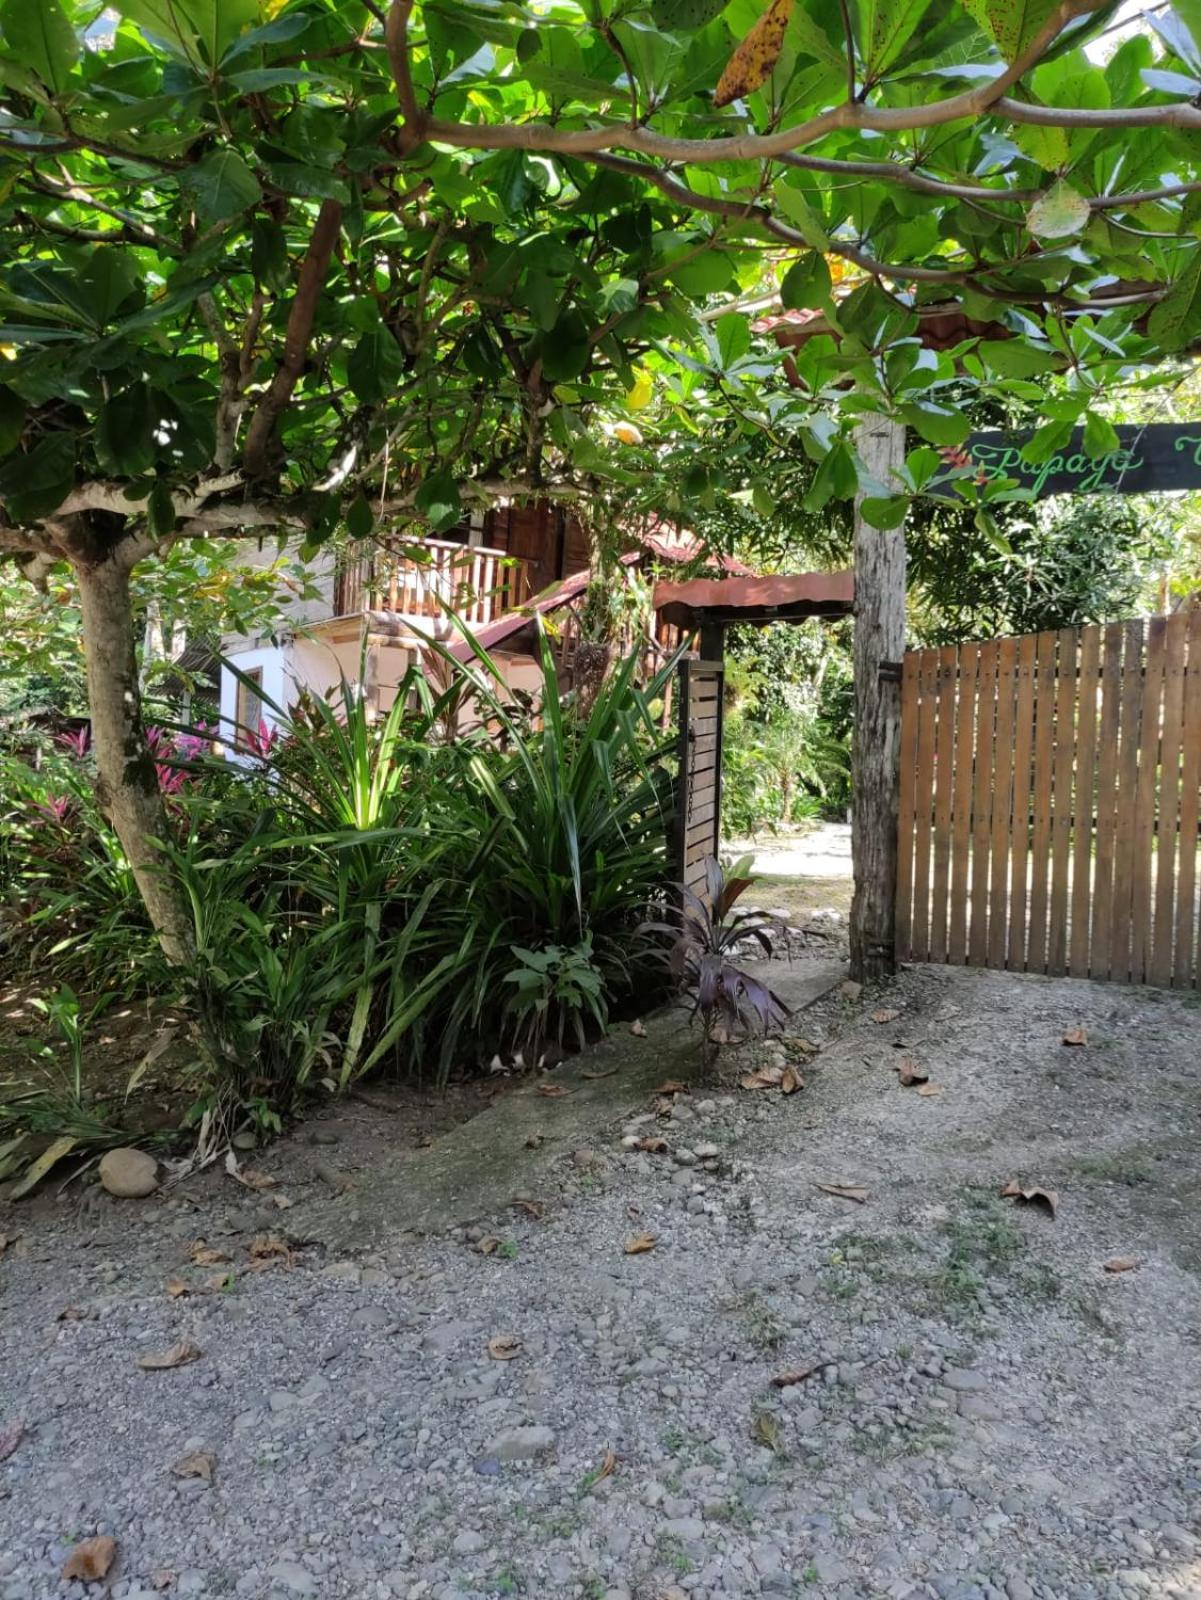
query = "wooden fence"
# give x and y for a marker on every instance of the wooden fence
(1050, 791)
(698, 818)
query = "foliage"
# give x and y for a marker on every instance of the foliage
(554, 982)
(705, 934)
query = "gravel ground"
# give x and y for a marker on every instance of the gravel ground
(990, 1412)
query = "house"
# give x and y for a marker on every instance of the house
(382, 600)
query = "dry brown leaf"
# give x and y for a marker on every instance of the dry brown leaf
(638, 1028)
(908, 1072)
(791, 1081)
(552, 1091)
(196, 1464)
(504, 1346)
(91, 1559)
(845, 1191)
(534, 1140)
(176, 1288)
(266, 1249)
(640, 1244)
(532, 1208)
(765, 1430)
(928, 1089)
(607, 1467)
(752, 62)
(247, 1176)
(72, 1314)
(204, 1255)
(1123, 1264)
(488, 1246)
(652, 1146)
(179, 1355)
(887, 1014)
(1076, 1036)
(673, 1086)
(1044, 1199)
(281, 1202)
(163, 1578)
(785, 1380)
(219, 1282)
(11, 1434)
(805, 1046)
(763, 1078)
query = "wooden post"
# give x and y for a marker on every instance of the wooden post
(875, 749)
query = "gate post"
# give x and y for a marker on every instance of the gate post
(875, 748)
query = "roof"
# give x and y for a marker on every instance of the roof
(778, 597)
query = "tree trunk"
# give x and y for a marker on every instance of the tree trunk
(876, 742)
(127, 785)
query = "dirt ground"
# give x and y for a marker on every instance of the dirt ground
(620, 1343)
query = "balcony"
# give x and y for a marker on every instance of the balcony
(421, 578)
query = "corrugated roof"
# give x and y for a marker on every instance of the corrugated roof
(766, 599)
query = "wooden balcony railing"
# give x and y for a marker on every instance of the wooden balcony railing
(419, 579)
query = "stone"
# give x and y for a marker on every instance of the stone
(293, 1577)
(965, 1380)
(850, 990)
(128, 1174)
(468, 1542)
(521, 1444)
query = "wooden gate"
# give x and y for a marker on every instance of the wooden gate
(1050, 795)
(698, 817)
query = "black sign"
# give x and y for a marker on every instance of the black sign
(1151, 458)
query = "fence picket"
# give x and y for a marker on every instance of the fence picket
(1061, 801)
(1124, 836)
(986, 684)
(961, 805)
(1023, 747)
(1084, 809)
(1044, 758)
(923, 803)
(1002, 805)
(944, 792)
(1186, 966)
(905, 827)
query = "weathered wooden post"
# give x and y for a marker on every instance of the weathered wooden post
(876, 739)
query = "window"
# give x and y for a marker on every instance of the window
(249, 711)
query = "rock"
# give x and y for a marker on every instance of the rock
(850, 990)
(521, 1444)
(468, 1542)
(588, 1160)
(245, 1140)
(964, 1380)
(706, 1151)
(128, 1174)
(295, 1578)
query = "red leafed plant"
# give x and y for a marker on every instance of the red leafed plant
(705, 937)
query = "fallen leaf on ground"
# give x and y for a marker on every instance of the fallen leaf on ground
(887, 1014)
(928, 1089)
(281, 1202)
(220, 1281)
(594, 1077)
(791, 1081)
(640, 1244)
(552, 1091)
(504, 1346)
(673, 1086)
(638, 1028)
(532, 1208)
(91, 1559)
(652, 1146)
(196, 1464)
(533, 1140)
(1077, 1036)
(163, 1578)
(805, 1046)
(72, 1314)
(179, 1355)
(763, 1078)
(247, 1176)
(908, 1072)
(265, 1249)
(205, 1255)
(765, 1430)
(845, 1191)
(607, 1467)
(1045, 1199)
(488, 1246)
(786, 1380)
(1122, 1264)
(176, 1287)
(11, 1434)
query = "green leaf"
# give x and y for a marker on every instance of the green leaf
(686, 16)
(1100, 436)
(835, 479)
(1177, 318)
(1014, 358)
(1011, 23)
(40, 35)
(12, 420)
(1052, 436)
(885, 511)
(439, 500)
(802, 216)
(763, 500)
(938, 425)
(1059, 213)
(699, 275)
(360, 519)
(203, 29)
(375, 366)
(733, 338)
(565, 349)
(110, 278)
(222, 185)
(34, 484)
(160, 510)
(806, 284)
(269, 254)
(125, 443)
(885, 28)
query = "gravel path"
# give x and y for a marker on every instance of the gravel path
(990, 1414)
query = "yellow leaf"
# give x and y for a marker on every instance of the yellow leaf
(38, 1170)
(640, 396)
(640, 1244)
(751, 64)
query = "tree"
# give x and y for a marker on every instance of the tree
(271, 265)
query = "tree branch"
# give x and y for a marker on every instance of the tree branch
(296, 337)
(396, 36)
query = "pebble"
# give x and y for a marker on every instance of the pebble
(128, 1174)
(521, 1444)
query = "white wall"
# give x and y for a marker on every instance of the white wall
(272, 661)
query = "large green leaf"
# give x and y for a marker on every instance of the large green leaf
(222, 185)
(686, 16)
(12, 420)
(35, 484)
(210, 26)
(40, 35)
(1012, 23)
(1176, 320)
(885, 28)
(125, 435)
(375, 365)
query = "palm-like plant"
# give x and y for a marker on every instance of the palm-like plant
(705, 937)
